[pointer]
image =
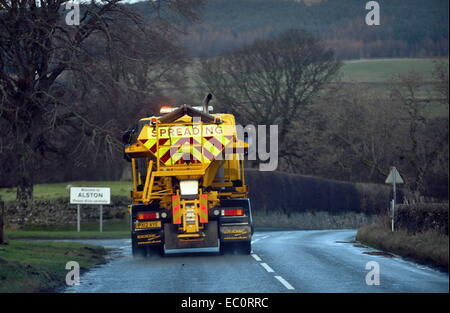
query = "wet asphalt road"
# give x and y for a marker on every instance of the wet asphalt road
(282, 261)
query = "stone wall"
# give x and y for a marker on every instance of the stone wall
(59, 211)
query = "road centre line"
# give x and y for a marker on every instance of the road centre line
(270, 270)
(267, 267)
(284, 282)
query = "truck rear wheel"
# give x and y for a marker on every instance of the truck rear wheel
(243, 247)
(143, 252)
(139, 252)
(155, 251)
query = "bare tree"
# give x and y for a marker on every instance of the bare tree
(271, 81)
(424, 136)
(441, 76)
(37, 53)
(130, 84)
(357, 133)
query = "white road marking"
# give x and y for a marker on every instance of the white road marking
(254, 241)
(284, 282)
(267, 267)
(256, 257)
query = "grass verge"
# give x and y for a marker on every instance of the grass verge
(117, 229)
(430, 247)
(39, 234)
(40, 266)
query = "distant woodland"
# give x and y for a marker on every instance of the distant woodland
(409, 28)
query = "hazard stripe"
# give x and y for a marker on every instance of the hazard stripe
(165, 157)
(197, 153)
(208, 155)
(187, 157)
(203, 212)
(216, 143)
(176, 212)
(163, 141)
(153, 144)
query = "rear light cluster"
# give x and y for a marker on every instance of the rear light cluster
(232, 212)
(147, 216)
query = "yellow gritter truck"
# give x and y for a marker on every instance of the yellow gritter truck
(189, 189)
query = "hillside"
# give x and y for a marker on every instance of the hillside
(408, 28)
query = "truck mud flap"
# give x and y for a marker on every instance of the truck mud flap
(235, 233)
(148, 238)
(207, 243)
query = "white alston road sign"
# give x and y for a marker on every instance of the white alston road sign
(90, 195)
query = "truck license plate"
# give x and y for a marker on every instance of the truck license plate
(153, 224)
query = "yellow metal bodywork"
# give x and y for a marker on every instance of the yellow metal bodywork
(213, 148)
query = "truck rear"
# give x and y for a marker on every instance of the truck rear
(189, 187)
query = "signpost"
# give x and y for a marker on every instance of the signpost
(90, 195)
(393, 178)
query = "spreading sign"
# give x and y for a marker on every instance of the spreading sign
(90, 195)
(175, 145)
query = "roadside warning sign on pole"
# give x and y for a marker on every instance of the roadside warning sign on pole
(90, 195)
(393, 178)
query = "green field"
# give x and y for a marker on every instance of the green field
(373, 70)
(60, 190)
(376, 75)
(381, 70)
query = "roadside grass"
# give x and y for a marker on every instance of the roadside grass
(430, 247)
(24, 234)
(59, 190)
(116, 229)
(40, 266)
